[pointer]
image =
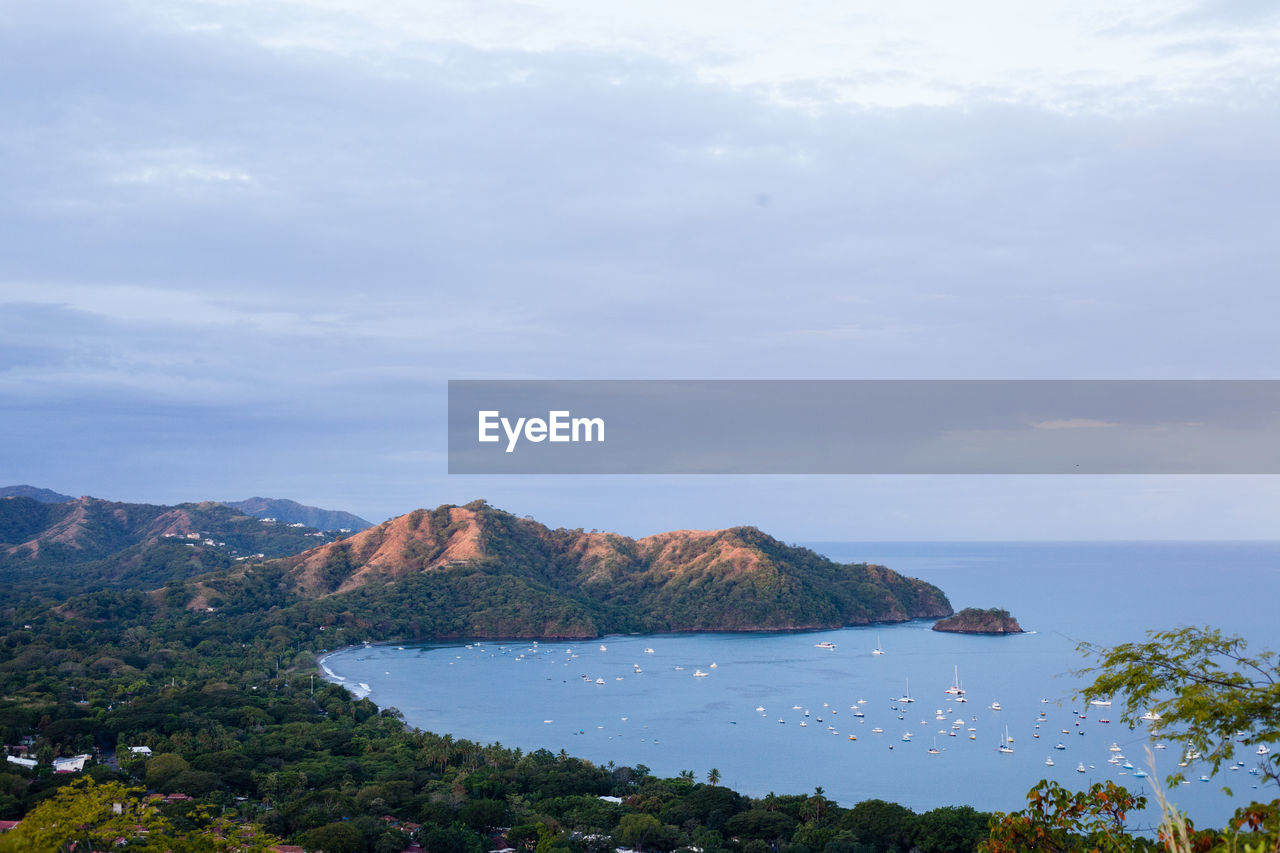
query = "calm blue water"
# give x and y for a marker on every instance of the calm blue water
(547, 695)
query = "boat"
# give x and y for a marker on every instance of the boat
(824, 645)
(1080, 767)
(714, 664)
(600, 681)
(604, 648)
(804, 724)
(878, 650)
(648, 651)
(877, 730)
(1263, 749)
(1060, 745)
(933, 750)
(906, 697)
(1048, 762)
(697, 673)
(1150, 717)
(1115, 747)
(1101, 703)
(955, 689)
(995, 706)
(760, 708)
(1004, 746)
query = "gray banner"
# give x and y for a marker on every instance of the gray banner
(864, 427)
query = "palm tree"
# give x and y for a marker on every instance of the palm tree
(686, 775)
(714, 776)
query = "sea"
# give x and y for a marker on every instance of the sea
(790, 712)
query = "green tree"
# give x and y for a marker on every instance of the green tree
(1204, 686)
(950, 829)
(86, 815)
(636, 830)
(713, 776)
(883, 825)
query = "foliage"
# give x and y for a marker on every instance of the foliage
(88, 816)
(1209, 693)
(1059, 820)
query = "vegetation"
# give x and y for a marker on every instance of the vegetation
(974, 620)
(247, 746)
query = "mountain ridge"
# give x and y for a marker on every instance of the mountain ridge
(735, 579)
(292, 512)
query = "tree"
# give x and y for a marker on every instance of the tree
(86, 815)
(713, 776)
(950, 829)
(636, 829)
(1058, 820)
(1206, 689)
(881, 824)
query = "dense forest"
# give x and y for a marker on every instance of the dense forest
(198, 703)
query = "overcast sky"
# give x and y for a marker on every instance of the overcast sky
(243, 245)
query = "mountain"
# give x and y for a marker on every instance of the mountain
(478, 571)
(47, 496)
(292, 512)
(87, 543)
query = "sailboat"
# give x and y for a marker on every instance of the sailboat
(877, 650)
(955, 689)
(906, 697)
(1004, 746)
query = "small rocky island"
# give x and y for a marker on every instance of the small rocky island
(975, 620)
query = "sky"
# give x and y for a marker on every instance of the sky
(244, 245)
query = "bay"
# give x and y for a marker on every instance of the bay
(613, 701)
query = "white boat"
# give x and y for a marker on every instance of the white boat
(1101, 703)
(648, 651)
(1263, 749)
(1150, 717)
(1080, 767)
(1048, 762)
(824, 645)
(760, 708)
(877, 730)
(697, 673)
(906, 697)
(1060, 745)
(1004, 746)
(878, 650)
(955, 689)
(804, 724)
(1115, 747)
(995, 706)
(600, 681)
(933, 750)
(906, 735)
(604, 648)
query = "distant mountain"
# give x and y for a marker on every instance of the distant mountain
(47, 496)
(292, 512)
(87, 543)
(478, 571)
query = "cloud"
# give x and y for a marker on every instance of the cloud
(308, 215)
(1074, 423)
